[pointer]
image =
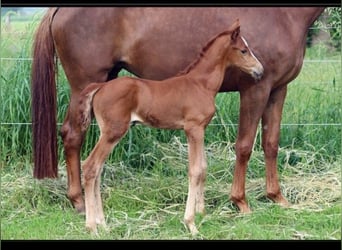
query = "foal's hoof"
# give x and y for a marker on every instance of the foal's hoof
(192, 228)
(92, 229)
(194, 231)
(103, 226)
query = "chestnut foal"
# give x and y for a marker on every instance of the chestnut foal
(186, 101)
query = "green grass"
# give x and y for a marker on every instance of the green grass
(141, 204)
(144, 183)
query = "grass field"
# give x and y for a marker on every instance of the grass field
(144, 183)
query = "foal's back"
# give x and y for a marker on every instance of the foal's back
(128, 99)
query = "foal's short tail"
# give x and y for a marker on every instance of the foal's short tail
(85, 104)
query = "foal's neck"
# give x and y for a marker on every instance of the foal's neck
(211, 68)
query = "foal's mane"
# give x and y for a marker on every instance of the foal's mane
(201, 54)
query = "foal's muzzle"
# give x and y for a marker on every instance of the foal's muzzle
(258, 72)
(257, 75)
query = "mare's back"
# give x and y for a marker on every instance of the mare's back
(168, 39)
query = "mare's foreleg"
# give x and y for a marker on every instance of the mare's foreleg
(252, 105)
(271, 120)
(197, 176)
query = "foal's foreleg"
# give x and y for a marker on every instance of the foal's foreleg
(197, 175)
(200, 194)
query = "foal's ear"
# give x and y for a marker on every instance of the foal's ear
(235, 29)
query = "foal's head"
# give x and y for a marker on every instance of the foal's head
(240, 55)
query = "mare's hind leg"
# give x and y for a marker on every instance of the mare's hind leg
(270, 139)
(197, 175)
(72, 137)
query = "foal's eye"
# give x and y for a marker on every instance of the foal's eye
(244, 51)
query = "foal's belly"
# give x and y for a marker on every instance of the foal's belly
(156, 122)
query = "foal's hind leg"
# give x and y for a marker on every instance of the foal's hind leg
(100, 218)
(92, 169)
(196, 172)
(92, 175)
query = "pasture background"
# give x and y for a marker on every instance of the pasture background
(145, 180)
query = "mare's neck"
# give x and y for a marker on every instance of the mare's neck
(211, 68)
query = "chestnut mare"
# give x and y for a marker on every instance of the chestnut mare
(94, 44)
(186, 101)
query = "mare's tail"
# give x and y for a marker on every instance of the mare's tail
(44, 107)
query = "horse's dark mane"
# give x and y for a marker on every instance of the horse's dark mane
(201, 54)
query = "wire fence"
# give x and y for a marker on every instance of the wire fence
(3, 123)
(211, 124)
(306, 61)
